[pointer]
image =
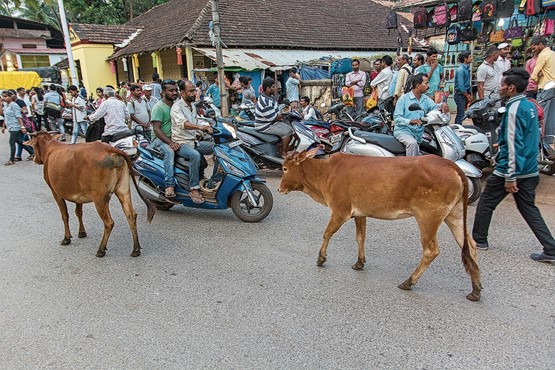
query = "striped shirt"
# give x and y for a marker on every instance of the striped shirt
(266, 112)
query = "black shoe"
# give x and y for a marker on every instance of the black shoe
(542, 257)
(17, 159)
(482, 246)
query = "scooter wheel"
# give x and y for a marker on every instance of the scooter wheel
(474, 189)
(246, 211)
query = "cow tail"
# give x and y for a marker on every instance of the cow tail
(151, 209)
(469, 262)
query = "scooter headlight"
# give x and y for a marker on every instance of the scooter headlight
(231, 129)
(225, 161)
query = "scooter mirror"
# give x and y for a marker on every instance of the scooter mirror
(414, 107)
(501, 110)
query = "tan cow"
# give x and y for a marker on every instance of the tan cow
(85, 173)
(429, 188)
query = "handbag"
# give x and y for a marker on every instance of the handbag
(549, 26)
(347, 95)
(497, 36)
(372, 100)
(514, 31)
(469, 33)
(53, 106)
(28, 123)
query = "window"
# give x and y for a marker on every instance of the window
(32, 61)
(29, 46)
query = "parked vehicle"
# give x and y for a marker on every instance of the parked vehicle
(439, 139)
(546, 156)
(234, 184)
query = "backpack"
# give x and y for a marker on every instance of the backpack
(489, 10)
(408, 85)
(391, 21)
(464, 11)
(505, 8)
(533, 7)
(487, 29)
(469, 33)
(476, 13)
(420, 18)
(441, 15)
(453, 34)
(453, 13)
(548, 4)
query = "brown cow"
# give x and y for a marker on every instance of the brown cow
(430, 188)
(85, 173)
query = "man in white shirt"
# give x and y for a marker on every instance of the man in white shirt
(503, 63)
(115, 115)
(487, 75)
(356, 79)
(139, 110)
(383, 79)
(147, 95)
(78, 107)
(184, 133)
(308, 112)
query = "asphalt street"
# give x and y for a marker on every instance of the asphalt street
(212, 292)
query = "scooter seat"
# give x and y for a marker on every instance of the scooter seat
(272, 139)
(180, 162)
(155, 152)
(472, 127)
(385, 141)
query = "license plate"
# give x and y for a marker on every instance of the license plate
(335, 138)
(235, 143)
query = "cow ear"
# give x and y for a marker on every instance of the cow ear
(311, 153)
(30, 142)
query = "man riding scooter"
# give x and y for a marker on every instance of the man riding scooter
(184, 132)
(408, 126)
(267, 117)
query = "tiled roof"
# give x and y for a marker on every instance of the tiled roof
(318, 24)
(48, 51)
(103, 34)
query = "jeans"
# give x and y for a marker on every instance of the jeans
(193, 156)
(19, 148)
(79, 126)
(410, 143)
(57, 123)
(17, 137)
(549, 110)
(460, 101)
(358, 107)
(39, 121)
(525, 198)
(169, 157)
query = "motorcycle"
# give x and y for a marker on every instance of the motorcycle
(479, 139)
(263, 148)
(234, 183)
(438, 139)
(546, 156)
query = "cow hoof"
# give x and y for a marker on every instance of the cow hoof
(321, 261)
(66, 241)
(406, 285)
(358, 266)
(82, 234)
(135, 253)
(474, 297)
(100, 254)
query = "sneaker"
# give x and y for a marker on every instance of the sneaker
(542, 257)
(482, 246)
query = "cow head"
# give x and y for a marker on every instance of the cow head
(293, 174)
(39, 142)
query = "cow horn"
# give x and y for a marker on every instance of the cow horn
(32, 134)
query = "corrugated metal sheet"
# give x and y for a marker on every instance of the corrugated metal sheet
(255, 59)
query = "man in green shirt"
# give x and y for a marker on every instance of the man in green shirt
(162, 127)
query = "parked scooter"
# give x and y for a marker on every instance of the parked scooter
(439, 139)
(546, 158)
(234, 183)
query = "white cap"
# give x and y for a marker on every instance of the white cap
(503, 45)
(147, 87)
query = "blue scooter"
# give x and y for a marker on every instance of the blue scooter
(234, 183)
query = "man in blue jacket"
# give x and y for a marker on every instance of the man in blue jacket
(516, 170)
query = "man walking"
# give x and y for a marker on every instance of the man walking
(487, 77)
(463, 89)
(503, 63)
(405, 70)
(516, 170)
(356, 79)
(78, 107)
(544, 72)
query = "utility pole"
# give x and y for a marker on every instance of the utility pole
(219, 58)
(71, 62)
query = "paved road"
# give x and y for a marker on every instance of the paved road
(212, 292)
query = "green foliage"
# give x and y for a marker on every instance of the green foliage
(78, 11)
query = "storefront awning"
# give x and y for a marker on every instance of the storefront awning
(256, 59)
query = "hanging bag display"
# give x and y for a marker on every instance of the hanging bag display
(476, 13)
(548, 4)
(497, 36)
(489, 10)
(484, 36)
(441, 15)
(514, 31)
(533, 7)
(549, 27)
(469, 33)
(504, 8)
(420, 19)
(464, 11)
(391, 21)
(453, 34)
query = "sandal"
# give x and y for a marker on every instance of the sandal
(17, 159)
(9, 163)
(170, 192)
(30, 158)
(196, 197)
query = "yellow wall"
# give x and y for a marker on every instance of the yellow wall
(95, 69)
